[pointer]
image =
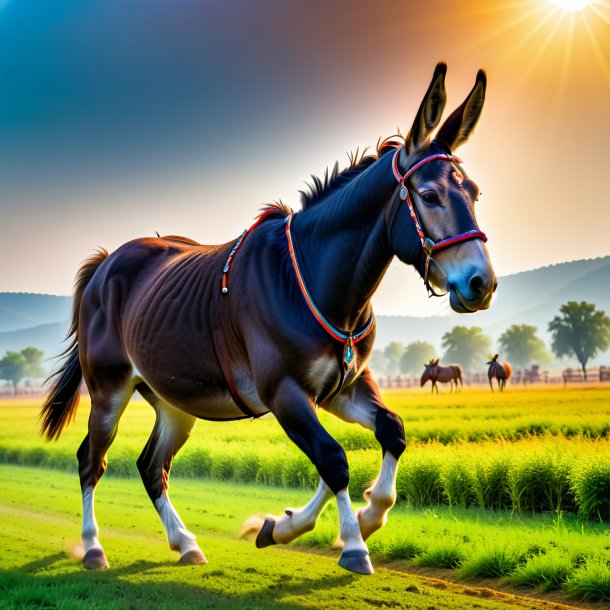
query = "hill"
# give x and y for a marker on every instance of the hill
(531, 297)
(47, 337)
(25, 310)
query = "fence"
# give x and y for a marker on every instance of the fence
(520, 377)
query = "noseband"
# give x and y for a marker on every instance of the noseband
(427, 244)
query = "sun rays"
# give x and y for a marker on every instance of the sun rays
(548, 38)
(572, 5)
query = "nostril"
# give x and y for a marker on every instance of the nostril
(495, 285)
(476, 283)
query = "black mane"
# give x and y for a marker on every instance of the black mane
(319, 188)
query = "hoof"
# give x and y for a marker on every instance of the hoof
(265, 536)
(95, 559)
(192, 558)
(356, 561)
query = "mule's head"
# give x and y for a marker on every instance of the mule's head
(438, 198)
(429, 371)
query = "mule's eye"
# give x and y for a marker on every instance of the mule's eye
(430, 198)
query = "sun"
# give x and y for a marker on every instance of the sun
(572, 5)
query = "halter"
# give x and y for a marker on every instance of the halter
(429, 246)
(349, 339)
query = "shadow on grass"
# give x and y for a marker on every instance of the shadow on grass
(147, 584)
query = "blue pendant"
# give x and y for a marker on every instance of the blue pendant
(349, 354)
(403, 192)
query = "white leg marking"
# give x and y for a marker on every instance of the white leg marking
(90, 531)
(179, 538)
(297, 521)
(349, 529)
(381, 497)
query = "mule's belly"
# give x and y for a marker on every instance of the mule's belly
(204, 399)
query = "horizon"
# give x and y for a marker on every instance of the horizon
(445, 312)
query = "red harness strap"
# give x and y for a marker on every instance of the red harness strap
(349, 339)
(238, 244)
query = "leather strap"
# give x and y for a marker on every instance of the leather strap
(224, 360)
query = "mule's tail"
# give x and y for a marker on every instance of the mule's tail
(59, 408)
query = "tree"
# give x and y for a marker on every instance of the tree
(466, 346)
(416, 354)
(33, 356)
(17, 365)
(580, 330)
(522, 347)
(393, 353)
(13, 368)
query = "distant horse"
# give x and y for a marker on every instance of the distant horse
(445, 374)
(279, 321)
(500, 370)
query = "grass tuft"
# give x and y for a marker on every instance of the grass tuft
(442, 555)
(547, 571)
(590, 581)
(492, 562)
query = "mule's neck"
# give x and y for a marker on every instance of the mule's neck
(343, 245)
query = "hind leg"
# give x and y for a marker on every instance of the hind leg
(107, 406)
(171, 430)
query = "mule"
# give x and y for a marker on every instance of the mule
(445, 374)
(502, 371)
(277, 321)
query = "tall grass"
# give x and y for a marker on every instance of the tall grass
(536, 474)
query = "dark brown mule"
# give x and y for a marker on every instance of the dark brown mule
(151, 317)
(445, 374)
(500, 370)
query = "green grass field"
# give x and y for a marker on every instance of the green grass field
(538, 457)
(40, 521)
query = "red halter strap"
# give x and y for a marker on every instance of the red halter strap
(427, 244)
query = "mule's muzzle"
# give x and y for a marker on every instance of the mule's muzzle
(473, 293)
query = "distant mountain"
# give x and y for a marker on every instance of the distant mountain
(24, 310)
(530, 297)
(47, 337)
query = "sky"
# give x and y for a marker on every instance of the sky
(119, 118)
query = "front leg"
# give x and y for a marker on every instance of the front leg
(296, 414)
(364, 406)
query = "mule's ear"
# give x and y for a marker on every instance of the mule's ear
(461, 123)
(430, 111)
